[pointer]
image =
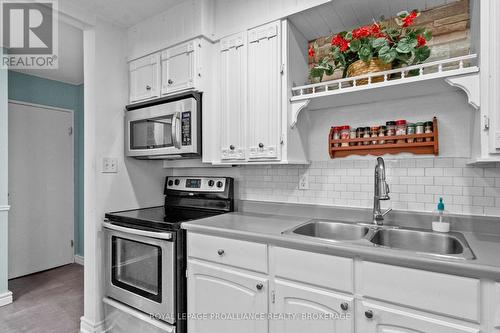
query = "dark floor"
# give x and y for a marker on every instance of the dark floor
(46, 302)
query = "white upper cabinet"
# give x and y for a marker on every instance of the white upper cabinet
(233, 97)
(145, 78)
(179, 67)
(264, 92)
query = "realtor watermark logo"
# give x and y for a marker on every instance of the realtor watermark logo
(29, 34)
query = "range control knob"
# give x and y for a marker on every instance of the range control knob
(170, 182)
(219, 184)
(211, 183)
(177, 182)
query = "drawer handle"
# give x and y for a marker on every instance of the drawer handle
(220, 252)
(344, 306)
(369, 314)
(259, 286)
(148, 87)
(261, 145)
(231, 147)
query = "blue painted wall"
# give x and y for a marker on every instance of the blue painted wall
(32, 89)
(4, 231)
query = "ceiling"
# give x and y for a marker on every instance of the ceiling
(70, 57)
(125, 13)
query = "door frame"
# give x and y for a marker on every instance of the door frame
(72, 113)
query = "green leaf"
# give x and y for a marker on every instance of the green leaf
(355, 45)
(422, 53)
(348, 35)
(387, 54)
(379, 42)
(365, 53)
(427, 35)
(404, 46)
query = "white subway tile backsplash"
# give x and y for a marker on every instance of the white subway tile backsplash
(416, 184)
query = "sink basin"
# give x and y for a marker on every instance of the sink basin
(331, 230)
(447, 245)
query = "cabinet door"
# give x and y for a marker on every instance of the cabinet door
(233, 97)
(373, 318)
(217, 291)
(264, 92)
(178, 68)
(314, 310)
(144, 78)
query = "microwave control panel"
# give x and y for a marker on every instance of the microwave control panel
(186, 128)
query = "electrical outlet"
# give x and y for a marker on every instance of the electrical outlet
(109, 165)
(304, 182)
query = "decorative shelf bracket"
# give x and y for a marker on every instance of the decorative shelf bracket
(298, 106)
(470, 84)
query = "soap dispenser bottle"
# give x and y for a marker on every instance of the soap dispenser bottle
(440, 222)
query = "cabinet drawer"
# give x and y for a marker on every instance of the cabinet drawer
(314, 268)
(227, 251)
(433, 292)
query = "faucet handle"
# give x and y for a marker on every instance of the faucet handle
(387, 212)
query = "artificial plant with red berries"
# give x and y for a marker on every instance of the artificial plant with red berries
(399, 45)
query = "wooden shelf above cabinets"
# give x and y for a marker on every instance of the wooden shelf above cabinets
(428, 145)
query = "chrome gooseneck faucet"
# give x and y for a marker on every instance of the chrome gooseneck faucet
(381, 192)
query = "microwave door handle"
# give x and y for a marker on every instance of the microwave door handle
(144, 233)
(176, 131)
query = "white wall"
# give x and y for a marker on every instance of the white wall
(137, 183)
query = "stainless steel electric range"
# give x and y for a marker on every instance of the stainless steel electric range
(145, 249)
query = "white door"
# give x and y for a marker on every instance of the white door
(213, 290)
(316, 310)
(178, 68)
(145, 78)
(373, 318)
(233, 97)
(264, 92)
(41, 219)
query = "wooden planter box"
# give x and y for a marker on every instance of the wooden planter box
(424, 147)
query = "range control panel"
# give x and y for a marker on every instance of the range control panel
(197, 184)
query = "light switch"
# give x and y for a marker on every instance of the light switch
(109, 165)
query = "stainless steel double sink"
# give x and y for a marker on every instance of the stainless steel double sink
(451, 245)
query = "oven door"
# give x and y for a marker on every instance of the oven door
(140, 269)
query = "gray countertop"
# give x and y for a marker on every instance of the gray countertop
(268, 228)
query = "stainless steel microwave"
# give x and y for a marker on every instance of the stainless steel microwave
(166, 128)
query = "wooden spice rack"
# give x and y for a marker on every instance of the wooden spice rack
(424, 147)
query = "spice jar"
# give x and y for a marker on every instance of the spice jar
(360, 131)
(336, 135)
(344, 135)
(410, 129)
(428, 128)
(391, 130)
(352, 135)
(401, 129)
(419, 129)
(374, 130)
(367, 134)
(381, 134)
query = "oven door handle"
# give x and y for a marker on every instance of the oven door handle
(144, 233)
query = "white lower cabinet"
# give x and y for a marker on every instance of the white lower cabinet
(216, 292)
(311, 309)
(374, 318)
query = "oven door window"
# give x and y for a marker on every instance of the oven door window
(136, 267)
(152, 133)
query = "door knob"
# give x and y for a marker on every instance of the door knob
(231, 147)
(220, 252)
(170, 81)
(148, 87)
(369, 314)
(261, 145)
(344, 306)
(259, 286)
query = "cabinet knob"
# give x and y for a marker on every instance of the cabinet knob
(261, 145)
(148, 87)
(344, 306)
(220, 252)
(369, 314)
(231, 147)
(170, 81)
(259, 286)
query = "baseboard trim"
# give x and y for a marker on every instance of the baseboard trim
(6, 298)
(86, 326)
(79, 259)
